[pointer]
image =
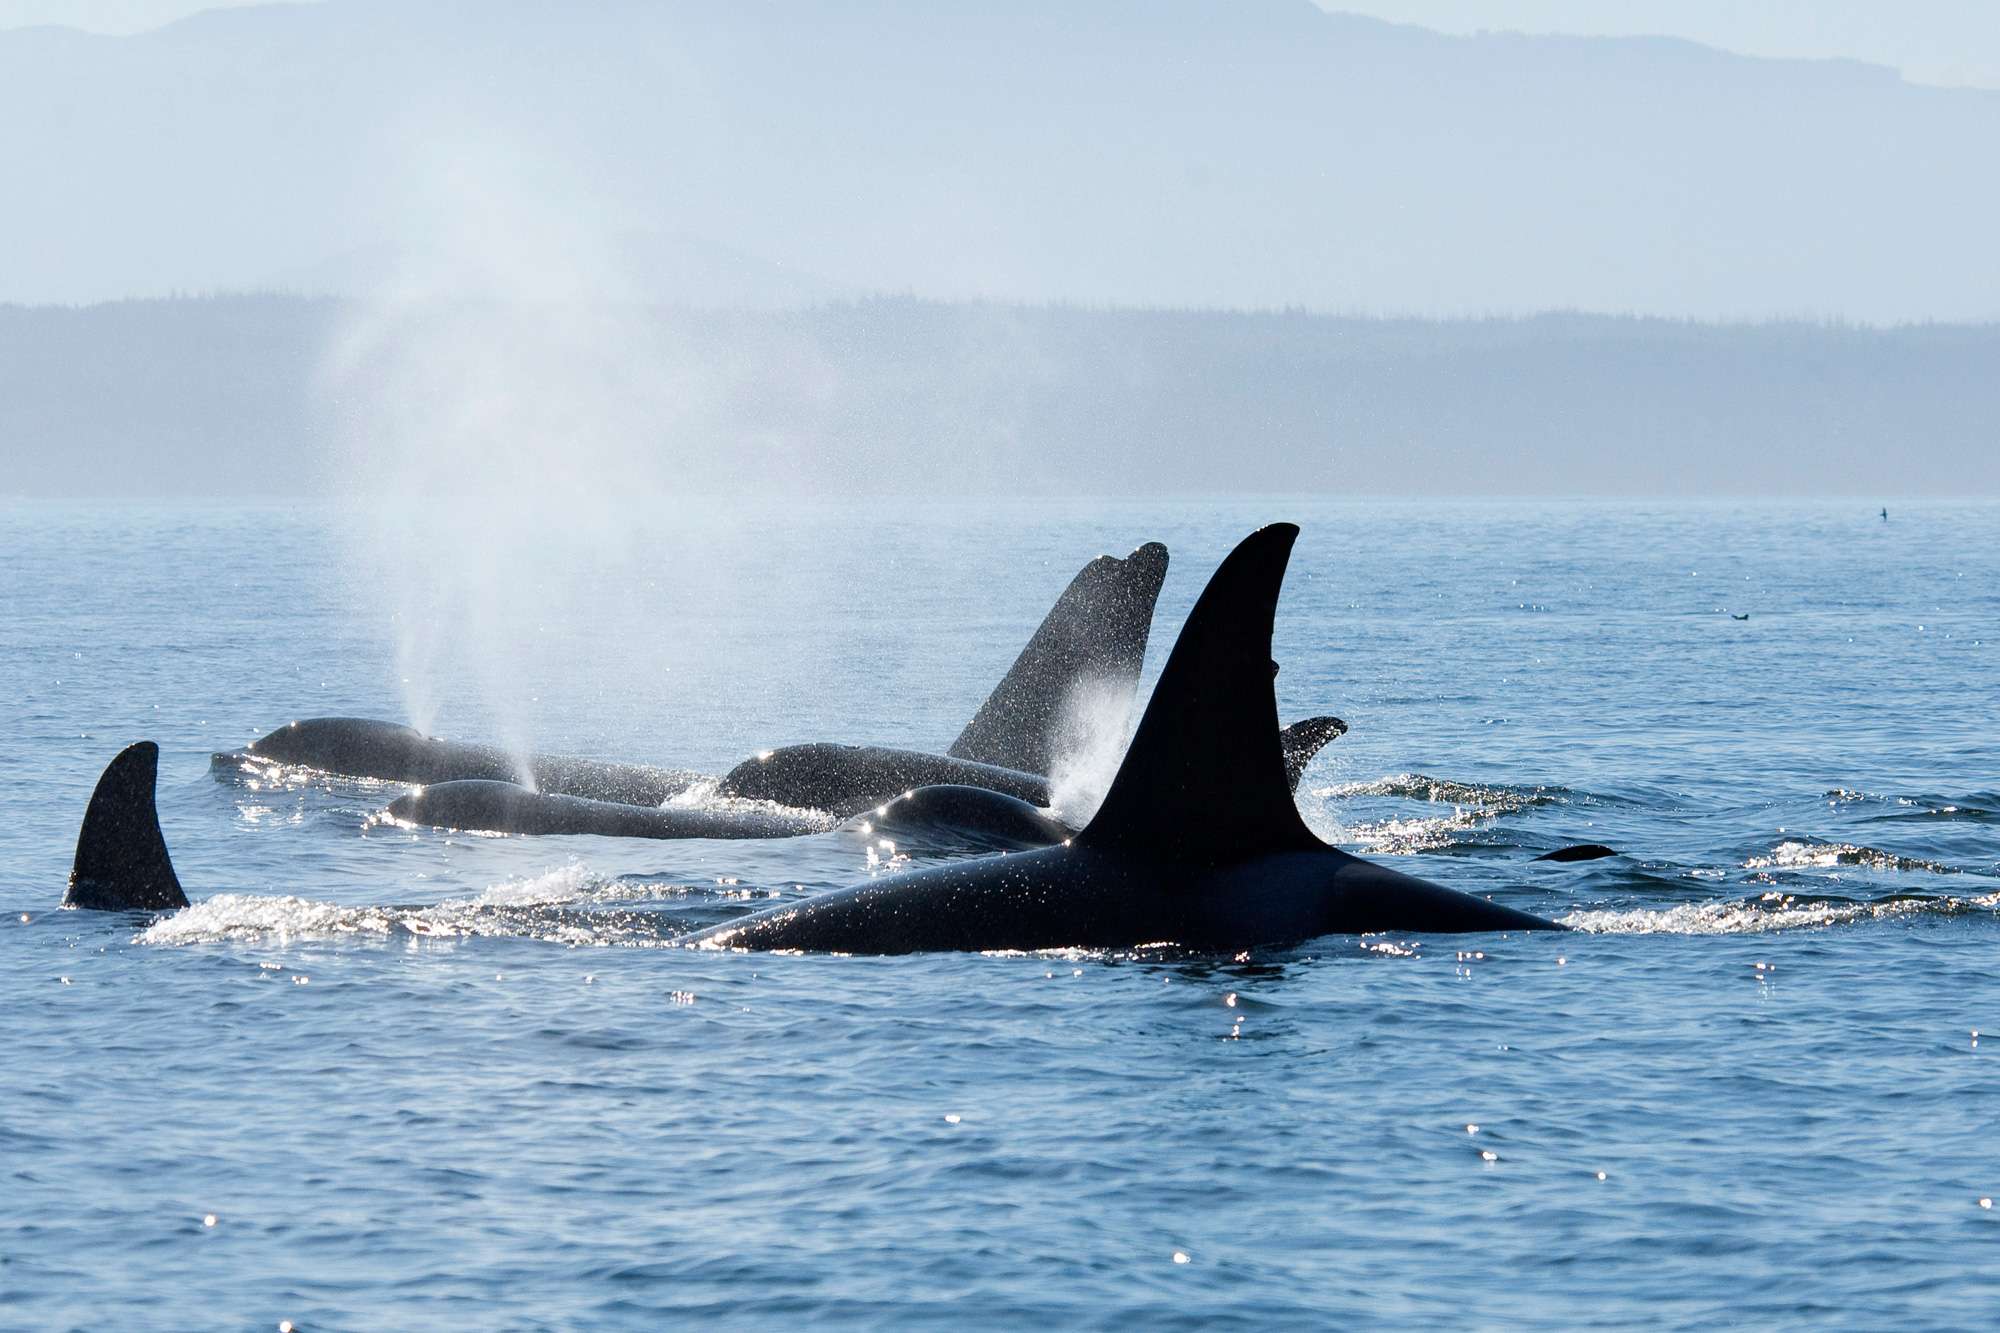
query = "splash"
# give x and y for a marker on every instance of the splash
(1091, 738)
(705, 793)
(1401, 835)
(570, 905)
(1770, 912)
(1444, 791)
(1799, 854)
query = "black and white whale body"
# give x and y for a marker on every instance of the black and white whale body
(121, 857)
(846, 779)
(1094, 635)
(954, 820)
(957, 820)
(1197, 843)
(1093, 640)
(508, 807)
(364, 748)
(938, 812)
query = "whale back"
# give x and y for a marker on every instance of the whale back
(1205, 781)
(1095, 635)
(121, 858)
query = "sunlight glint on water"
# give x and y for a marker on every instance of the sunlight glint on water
(420, 1077)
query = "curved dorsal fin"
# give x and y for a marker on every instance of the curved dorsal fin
(121, 858)
(1094, 634)
(1304, 739)
(1204, 780)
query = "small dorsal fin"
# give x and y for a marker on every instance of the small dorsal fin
(1583, 851)
(1204, 779)
(1095, 634)
(1304, 739)
(121, 858)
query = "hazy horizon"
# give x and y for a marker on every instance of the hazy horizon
(984, 249)
(1259, 155)
(299, 397)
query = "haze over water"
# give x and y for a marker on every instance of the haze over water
(418, 1077)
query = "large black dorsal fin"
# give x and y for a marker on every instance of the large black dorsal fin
(1204, 780)
(1095, 635)
(121, 858)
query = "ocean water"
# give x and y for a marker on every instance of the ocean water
(382, 1077)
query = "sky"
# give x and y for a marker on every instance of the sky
(1244, 154)
(1947, 42)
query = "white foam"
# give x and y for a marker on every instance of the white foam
(705, 794)
(561, 885)
(1772, 911)
(283, 917)
(1444, 791)
(511, 908)
(1795, 854)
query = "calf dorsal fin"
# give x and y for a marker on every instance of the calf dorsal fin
(1304, 739)
(121, 858)
(1204, 781)
(1095, 634)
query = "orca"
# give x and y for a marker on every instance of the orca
(1197, 844)
(955, 820)
(939, 810)
(365, 748)
(1582, 851)
(1094, 636)
(121, 857)
(507, 807)
(844, 780)
(948, 819)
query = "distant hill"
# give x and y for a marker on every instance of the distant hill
(1229, 153)
(866, 400)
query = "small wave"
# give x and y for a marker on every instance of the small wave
(565, 884)
(705, 794)
(1806, 854)
(1974, 807)
(1443, 791)
(1405, 837)
(543, 907)
(256, 773)
(1471, 804)
(1771, 911)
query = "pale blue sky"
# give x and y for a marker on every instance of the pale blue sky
(1951, 42)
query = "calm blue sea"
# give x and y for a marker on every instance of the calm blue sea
(384, 1078)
